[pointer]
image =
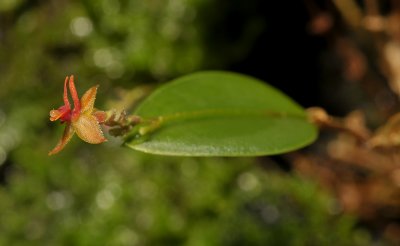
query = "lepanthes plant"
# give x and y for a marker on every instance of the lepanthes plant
(210, 113)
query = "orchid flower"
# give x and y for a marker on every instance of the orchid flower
(82, 119)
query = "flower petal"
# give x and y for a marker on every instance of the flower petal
(67, 135)
(61, 113)
(87, 100)
(88, 129)
(65, 96)
(56, 114)
(74, 94)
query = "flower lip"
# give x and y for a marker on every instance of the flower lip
(63, 113)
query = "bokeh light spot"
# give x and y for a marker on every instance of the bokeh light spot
(270, 214)
(247, 181)
(127, 236)
(105, 199)
(115, 70)
(103, 58)
(81, 26)
(3, 155)
(57, 201)
(148, 189)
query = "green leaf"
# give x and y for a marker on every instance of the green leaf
(220, 114)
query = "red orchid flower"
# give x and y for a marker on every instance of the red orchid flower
(82, 119)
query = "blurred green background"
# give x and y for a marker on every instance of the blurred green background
(110, 195)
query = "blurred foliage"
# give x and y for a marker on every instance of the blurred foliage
(108, 194)
(118, 200)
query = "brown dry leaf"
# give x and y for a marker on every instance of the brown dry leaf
(387, 135)
(354, 123)
(366, 181)
(391, 53)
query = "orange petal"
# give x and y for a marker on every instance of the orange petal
(88, 129)
(74, 94)
(56, 114)
(87, 100)
(65, 96)
(67, 135)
